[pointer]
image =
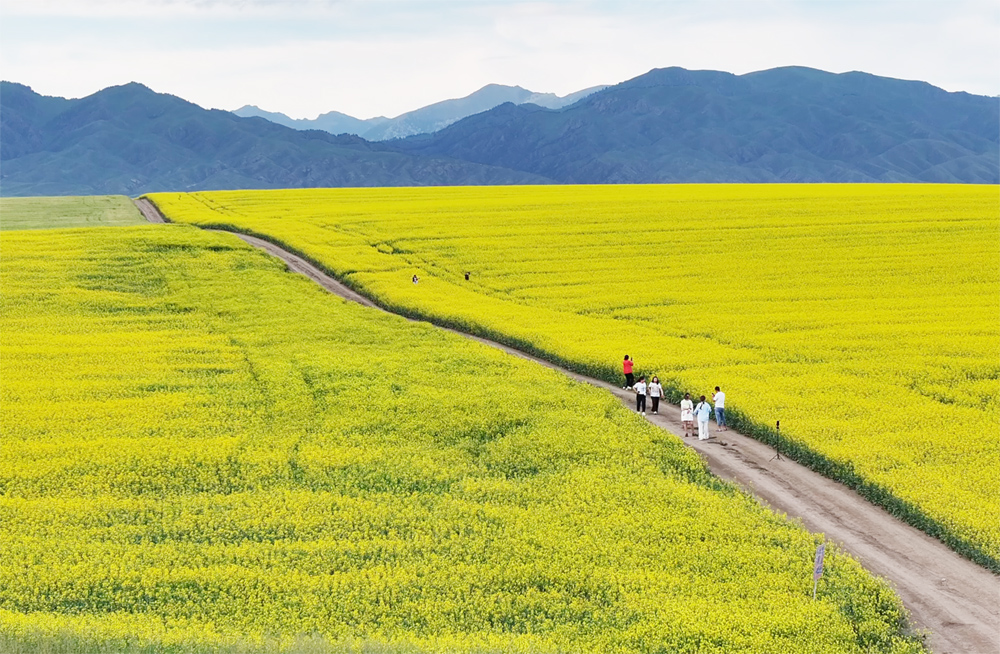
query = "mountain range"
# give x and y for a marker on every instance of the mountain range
(425, 120)
(670, 125)
(788, 124)
(130, 140)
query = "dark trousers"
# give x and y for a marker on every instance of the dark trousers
(640, 402)
(629, 379)
(656, 403)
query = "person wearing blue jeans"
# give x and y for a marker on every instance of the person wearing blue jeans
(720, 409)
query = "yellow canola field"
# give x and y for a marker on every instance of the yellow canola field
(863, 317)
(204, 452)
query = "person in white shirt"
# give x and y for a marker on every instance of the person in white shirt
(640, 396)
(703, 412)
(720, 409)
(687, 415)
(655, 393)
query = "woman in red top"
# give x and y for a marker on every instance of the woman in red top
(627, 368)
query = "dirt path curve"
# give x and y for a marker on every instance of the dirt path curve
(955, 599)
(149, 210)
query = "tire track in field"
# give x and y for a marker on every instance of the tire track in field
(955, 599)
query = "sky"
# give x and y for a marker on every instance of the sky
(385, 57)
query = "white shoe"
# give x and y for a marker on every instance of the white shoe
(643, 413)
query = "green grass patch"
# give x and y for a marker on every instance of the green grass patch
(61, 212)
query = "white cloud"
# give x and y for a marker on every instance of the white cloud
(153, 8)
(304, 57)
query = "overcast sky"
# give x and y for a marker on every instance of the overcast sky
(385, 57)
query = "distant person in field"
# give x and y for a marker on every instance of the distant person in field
(466, 276)
(415, 279)
(627, 368)
(720, 409)
(655, 393)
(687, 415)
(703, 412)
(640, 396)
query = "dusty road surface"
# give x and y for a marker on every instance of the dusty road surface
(149, 210)
(957, 601)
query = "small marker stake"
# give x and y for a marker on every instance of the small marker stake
(818, 566)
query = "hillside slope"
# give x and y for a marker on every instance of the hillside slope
(669, 125)
(781, 125)
(131, 140)
(334, 122)
(439, 115)
(424, 120)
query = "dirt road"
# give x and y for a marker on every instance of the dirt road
(953, 598)
(149, 211)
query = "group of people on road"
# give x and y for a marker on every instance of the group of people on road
(690, 412)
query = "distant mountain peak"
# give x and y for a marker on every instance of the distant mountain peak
(791, 124)
(424, 120)
(6, 84)
(670, 125)
(675, 76)
(133, 86)
(492, 86)
(132, 89)
(128, 139)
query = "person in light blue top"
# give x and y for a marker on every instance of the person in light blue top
(703, 412)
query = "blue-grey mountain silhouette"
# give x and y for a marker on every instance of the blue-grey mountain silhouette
(425, 120)
(669, 125)
(781, 125)
(128, 139)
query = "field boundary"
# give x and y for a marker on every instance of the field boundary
(884, 543)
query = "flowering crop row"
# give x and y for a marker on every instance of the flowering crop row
(863, 317)
(204, 452)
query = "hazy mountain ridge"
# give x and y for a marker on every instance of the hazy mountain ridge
(424, 120)
(670, 125)
(333, 122)
(131, 140)
(781, 125)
